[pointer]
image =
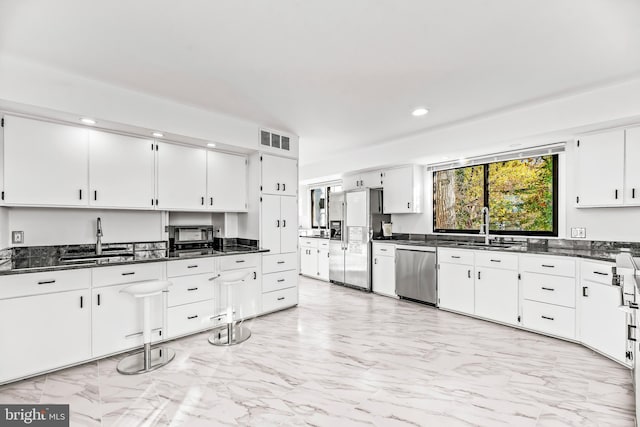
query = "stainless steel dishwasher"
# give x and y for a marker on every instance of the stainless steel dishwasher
(416, 273)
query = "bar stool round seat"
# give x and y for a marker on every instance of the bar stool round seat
(235, 332)
(147, 359)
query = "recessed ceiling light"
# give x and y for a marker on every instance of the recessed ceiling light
(420, 112)
(211, 144)
(445, 158)
(158, 134)
(515, 145)
(87, 121)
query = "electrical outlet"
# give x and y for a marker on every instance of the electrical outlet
(17, 237)
(578, 232)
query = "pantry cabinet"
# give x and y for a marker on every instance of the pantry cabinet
(279, 224)
(45, 164)
(121, 171)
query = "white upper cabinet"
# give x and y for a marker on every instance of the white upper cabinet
(45, 163)
(182, 177)
(372, 179)
(403, 188)
(121, 171)
(279, 175)
(632, 167)
(600, 169)
(226, 182)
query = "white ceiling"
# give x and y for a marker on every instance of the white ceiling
(341, 74)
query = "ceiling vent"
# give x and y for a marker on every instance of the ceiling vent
(274, 140)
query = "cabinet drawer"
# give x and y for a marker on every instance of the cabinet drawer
(280, 262)
(188, 289)
(549, 289)
(599, 272)
(549, 319)
(277, 300)
(119, 274)
(234, 262)
(323, 243)
(186, 267)
(188, 318)
(276, 281)
(384, 249)
(548, 265)
(455, 256)
(495, 259)
(308, 242)
(17, 285)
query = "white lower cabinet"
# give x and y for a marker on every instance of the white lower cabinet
(309, 261)
(117, 320)
(189, 318)
(44, 332)
(314, 257)
(603, 326)
(323, 263)
(384, 275)
(456, 287)
(277, 300)
(549, 319)
(496, 294)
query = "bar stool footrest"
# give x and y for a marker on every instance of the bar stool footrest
(135, 363)
(239, 335)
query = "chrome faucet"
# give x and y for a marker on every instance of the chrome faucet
(484, 228)
(99, 236)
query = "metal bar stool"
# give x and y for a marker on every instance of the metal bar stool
(143, 360)
(235, 332)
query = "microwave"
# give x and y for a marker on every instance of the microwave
(190, 235)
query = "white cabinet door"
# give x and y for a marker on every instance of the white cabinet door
(45, 163)
(289, 224)
(455, 287)
(403, 190)
(44, 332)
(371, 179)
(309, 262)
(632, 167)
(600, 169)
(226, 182)
(182, 177)
(323, 264)
(279, 175)
(271, 224)
(603, 326)
(384, 275)
(496, 295)
(117, 320)
(350, 182)
(121, 171)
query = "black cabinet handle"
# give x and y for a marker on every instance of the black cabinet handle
(277, 223)
(478, 275)
(211, 201)
(548, 266)
(192, 289)
(239, 261)
(98, 299)
(192, 317)
(202, 201)
(548, 318)
(585, 291)
(469, 274)
(80, 194)
(284, 223)
(46, 282)
(280, 262)
(284, 187)
(255, 275)
(375, 260)
(280, 299)
(600, 273)
(495, 260)
(280, 280)
(408, 205)
(629, 327)
(95, 194)
(129, 273)
(278, 186)
(616, 194)
(192, 266)
(81, 302)
(633, 193)
(455, 256)
(547, 289)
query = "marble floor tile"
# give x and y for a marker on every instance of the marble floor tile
(347, 358)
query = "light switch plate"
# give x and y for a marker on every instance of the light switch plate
(17, 237)
(578, 232)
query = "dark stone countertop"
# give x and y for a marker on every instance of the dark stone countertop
(54, 263)
(314, 237)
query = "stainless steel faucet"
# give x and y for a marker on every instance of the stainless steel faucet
(484, 228)
(99, 236)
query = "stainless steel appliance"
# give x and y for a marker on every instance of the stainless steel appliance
(358, 214)
(185, 236)
(416, 273)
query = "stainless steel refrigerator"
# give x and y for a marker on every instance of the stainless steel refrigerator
(358, 216)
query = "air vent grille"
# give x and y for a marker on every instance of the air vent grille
(274, 140)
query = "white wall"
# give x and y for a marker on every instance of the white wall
(57, 226)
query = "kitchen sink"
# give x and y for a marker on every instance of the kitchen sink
(490, 245)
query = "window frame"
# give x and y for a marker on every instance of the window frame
(327, 191)
(554, 189)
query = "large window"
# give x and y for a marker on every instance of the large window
(522, 197)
